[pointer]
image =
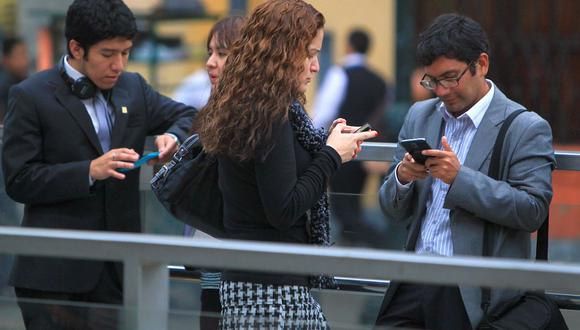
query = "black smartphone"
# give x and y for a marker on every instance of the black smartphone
(363, 128)
(414, 148)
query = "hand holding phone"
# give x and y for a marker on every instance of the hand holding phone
(414, 148)
(141, 161)
(363, 128)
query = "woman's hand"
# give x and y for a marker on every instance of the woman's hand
(345, 143)
(346, 129)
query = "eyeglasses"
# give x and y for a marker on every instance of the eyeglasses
(430, 83)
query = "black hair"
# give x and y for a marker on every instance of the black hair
(453, 36)
(360, 41)
(92, 21)
(9, 43)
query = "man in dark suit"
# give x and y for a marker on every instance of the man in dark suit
(450, 200)
(67, 132)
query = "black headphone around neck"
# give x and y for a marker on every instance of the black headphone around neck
(83, 88)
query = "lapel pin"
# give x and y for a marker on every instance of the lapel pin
(124, 109)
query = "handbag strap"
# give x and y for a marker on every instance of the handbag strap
(494, 166)
(184, 149)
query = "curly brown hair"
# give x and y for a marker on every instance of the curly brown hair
(260, 80)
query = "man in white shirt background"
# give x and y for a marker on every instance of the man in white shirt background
(352, 91)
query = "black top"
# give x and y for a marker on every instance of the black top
(268, 200)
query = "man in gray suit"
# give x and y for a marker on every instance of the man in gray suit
(449, 200)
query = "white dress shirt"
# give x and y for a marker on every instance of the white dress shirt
(89, 103)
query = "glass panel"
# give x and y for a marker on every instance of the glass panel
(10, 215)
(347, 309)
(357, 219)
(343, 309)
(63, 313)
(10, 313)
(155, 219)
(564, 214)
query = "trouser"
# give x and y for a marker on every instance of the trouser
(210, 309)
(60, 310)
(424, 307)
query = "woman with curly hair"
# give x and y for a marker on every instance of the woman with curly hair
(274, 166)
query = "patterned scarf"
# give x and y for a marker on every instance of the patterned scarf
(313, 140)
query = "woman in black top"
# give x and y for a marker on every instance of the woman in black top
(273, 165)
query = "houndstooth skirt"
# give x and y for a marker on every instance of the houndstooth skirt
(248, 305)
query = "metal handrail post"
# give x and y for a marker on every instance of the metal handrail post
(146, 294)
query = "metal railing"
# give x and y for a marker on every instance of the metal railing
(146, 259)
(565, 160)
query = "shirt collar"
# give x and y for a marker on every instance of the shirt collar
(475, 114)
(70, 71)
(75, 75)
(354, 59)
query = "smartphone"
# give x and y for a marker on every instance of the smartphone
(363, 128)
(414, 148)
(141, 161)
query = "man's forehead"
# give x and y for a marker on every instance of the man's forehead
(114, 44)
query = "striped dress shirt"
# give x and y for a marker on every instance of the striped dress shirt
(435, 236)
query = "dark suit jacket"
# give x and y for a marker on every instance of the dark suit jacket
(49, 141)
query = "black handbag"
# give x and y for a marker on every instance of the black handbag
(187, 187)
(533, 309)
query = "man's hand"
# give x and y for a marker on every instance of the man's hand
(409, 170)
(105, 166)
(443, 164)
(167, 146)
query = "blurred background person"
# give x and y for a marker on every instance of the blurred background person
(274, 166)
(14, 69)
(352, 90)
(195, 91)
(357, 93)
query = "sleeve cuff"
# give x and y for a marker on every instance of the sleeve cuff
(401, 187)
(334, 156)
(175, 137)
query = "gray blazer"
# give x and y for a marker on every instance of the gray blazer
(516, 206)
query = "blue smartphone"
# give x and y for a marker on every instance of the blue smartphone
(141, 161)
